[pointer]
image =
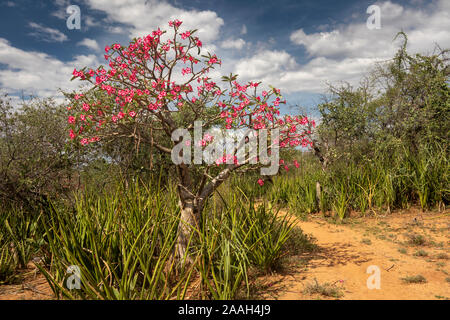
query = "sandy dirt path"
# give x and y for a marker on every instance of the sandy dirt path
(401, 245)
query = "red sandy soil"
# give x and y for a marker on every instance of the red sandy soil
(33, 286)
(345, 252)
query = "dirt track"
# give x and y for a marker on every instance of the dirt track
(400, 245)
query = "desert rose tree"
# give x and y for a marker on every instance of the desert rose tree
(157, 90)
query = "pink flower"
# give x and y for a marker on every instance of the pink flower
(213, 60)
(208, 137)
(261, 182)
(264, 93)
(296, 164)
(185, 35)
(132, 114)
(72, 134)
(185, 71)
(175, 22)
(71, 119)
(157, 33)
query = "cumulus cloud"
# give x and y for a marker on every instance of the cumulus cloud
(37, 73)
(265, 65)
(116, 29)
(40, 74)
(233, 44)
(343, 53)
(356, 40)
(349, 51)
(47, 34)
(89, 43)
(142, 17)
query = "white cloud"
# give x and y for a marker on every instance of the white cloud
(349, 51)
(142, 17)
(345, 53)
(60, 12)
(265, 65)
(233, 44)
(118, 30)
(37, 73)
(356, 40)
(89, 43)
(88, 22)
(47, 34)
(40, 74)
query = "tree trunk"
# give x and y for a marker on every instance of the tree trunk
(189, 223)
(191, 207)
(318, 195)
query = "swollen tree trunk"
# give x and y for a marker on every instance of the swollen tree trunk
(189, 223)
(191, 206)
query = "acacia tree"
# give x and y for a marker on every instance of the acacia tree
(158, 84)
(403, 101)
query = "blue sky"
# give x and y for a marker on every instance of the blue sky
(298, 46)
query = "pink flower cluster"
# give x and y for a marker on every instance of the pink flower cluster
(136, 81)
(227, 159)
(207, 138)
(175, 23)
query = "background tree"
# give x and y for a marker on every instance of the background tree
(403, 103)
(35, 162)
